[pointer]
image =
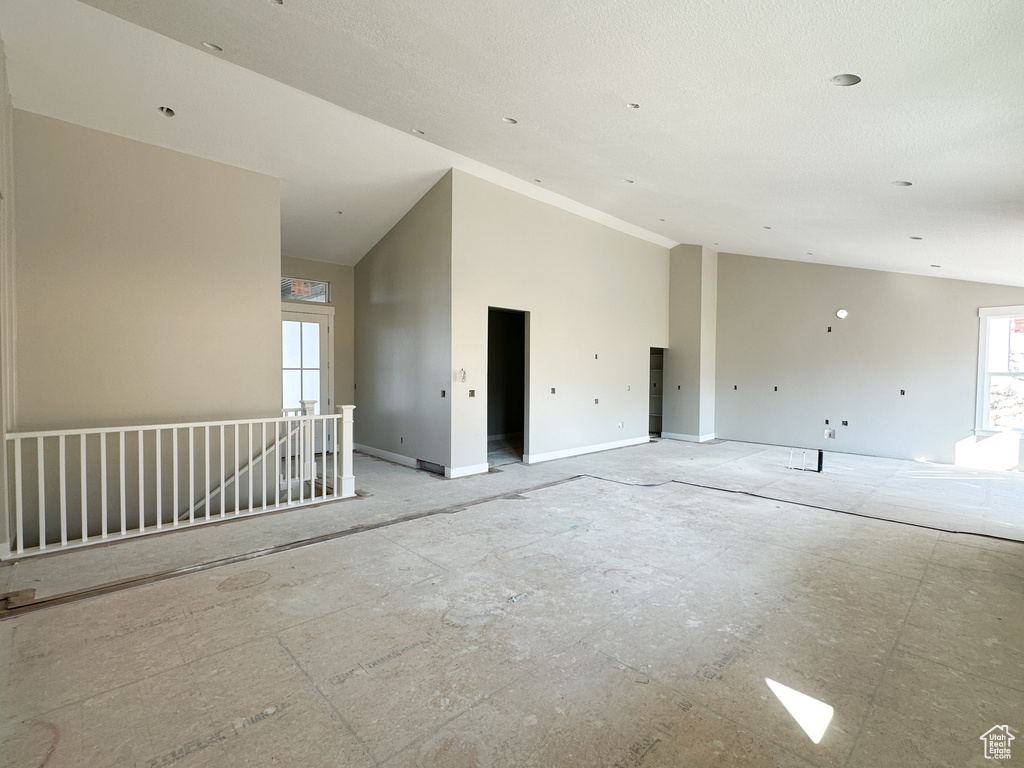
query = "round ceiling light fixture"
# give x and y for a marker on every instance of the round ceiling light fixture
(845, 80)
(212, 46)
(842, 314)
(903, 183)
(510, 120)
(166, 111)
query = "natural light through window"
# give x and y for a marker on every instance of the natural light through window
(810, 714)
(1001, 370)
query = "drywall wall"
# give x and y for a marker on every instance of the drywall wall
(403, 335)
(903, 332)
(689, 379)
(597, 301)
(147, 282)
(7, 389)
(341, 296)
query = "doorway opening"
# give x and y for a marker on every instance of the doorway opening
(507, 373)
(656, 391)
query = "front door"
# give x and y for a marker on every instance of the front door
(306, 368)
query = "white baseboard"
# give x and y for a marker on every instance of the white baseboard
(398, 458)
(688, 438)
(473, 469)
(535, 458)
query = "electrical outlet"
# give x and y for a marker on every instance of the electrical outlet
(622, 424)
(830, 434)
(595, 401)
(552, 390)
(846, 423)
(472, 393)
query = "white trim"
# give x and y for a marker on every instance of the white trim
(536, 458)
(1017, 311)
(5, 550)
(307, 308)
(473, 469)
(688, 438)
(397, 458)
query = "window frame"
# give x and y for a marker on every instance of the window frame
(986, 314)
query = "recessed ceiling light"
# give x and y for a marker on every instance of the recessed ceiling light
(212, 46)
(276, 2)
(536, 181)
(936, 266)
(628, 181)
(845, 80)
(903, 183)
(809, 253)
(633, 105)
(660, 219)
(913, 237)
(340, 213)
(510, 120)
(765, 227)
(842, 314)
(166, 111)
(417, 131)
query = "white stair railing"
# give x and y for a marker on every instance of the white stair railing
(76, 487)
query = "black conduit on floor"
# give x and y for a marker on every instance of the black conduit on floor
(105, 589)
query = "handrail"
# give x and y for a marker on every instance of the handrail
(71, 489)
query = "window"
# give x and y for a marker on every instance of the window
(1001, 370)
(293, 289)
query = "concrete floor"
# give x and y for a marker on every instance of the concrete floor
(593, 620)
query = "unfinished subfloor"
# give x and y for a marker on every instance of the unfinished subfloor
(579, 612)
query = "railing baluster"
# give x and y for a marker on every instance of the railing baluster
(62, 467)
(249, 456)
(174, 472)
(191, 475)
(337, 489)
(142, 481)
(236, 483)
(206, 461)
(103, 485)
(159, 482)
(288, 462)
(263, 465)
(222, 470)
(85, 488)
(277, 463)
(19, 509)
(123, 458)
(41, 468)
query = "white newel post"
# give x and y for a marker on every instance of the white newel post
(308, 447)
(348, 480)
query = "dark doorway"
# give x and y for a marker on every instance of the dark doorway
(506, 385)
(657, 390)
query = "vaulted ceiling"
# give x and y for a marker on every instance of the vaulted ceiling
(738, 141)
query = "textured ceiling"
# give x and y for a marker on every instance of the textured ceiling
(738, 128)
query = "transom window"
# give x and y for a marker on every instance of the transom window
(294, 289)
(1001, 370)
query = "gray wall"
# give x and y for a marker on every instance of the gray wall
(147, 283)
(403, 334)
(689, 380)
(7, 389)
(917, 334)
(590, 290)
(342, 298)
